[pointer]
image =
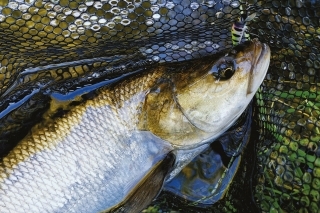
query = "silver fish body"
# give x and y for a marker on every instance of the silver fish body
(96, 156)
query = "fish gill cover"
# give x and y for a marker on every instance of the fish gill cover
(61, 46)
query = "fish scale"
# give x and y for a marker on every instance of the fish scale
(69, 159)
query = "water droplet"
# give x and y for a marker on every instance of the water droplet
(288, 11)
(95, 27)
(311, 71)
(305, 78)
(114, 3)
(78, 22)
(170, 5)
(307, 177)
(67, 11)
(23, 7)
(202, 45)
(194, 43)
(124, 13)
(290, 67)
(291, 125)
(167, 45)
(117, 19)
(72, 27)
(271, 90)
(269, 76)
(215, 46)
(301, 122)
(110, 24)
(280, 79)
(281, 113)
(131, 7)
(280, 86)
(280, 170)
(87, 24)
(299, 85)
(288, 176)
(235, 4)
(82, 8)
(226, 2)
(13, 5)
(175, 47)
(149, 22)
(51, 14)
(85, 16)
(76, 13)
(161, 2)
(54, 22)
(292, 75)
(80, 30)
(188, 46)
(89, 2)
(208, 43)
(219, 14)
(115, 10)
(295, 136)
(210, 3)
(154, 8)
(155, 58)
(156, 16)
(93, 18)
(97, 4)
(194, 5)
(102, 21)
(312, 119)
(284, 65)
(281, 159)
(125, 22)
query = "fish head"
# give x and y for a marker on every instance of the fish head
(213, 95)
(198, 101)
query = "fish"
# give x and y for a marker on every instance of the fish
(113, 152)
(239, 29)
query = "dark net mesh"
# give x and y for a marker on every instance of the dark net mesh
(60, 46)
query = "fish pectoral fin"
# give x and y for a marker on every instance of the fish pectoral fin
(147, 189)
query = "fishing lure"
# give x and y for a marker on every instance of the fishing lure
(239, 29)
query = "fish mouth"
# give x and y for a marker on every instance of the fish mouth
(261, 53)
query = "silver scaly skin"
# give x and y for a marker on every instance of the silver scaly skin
(90, 159)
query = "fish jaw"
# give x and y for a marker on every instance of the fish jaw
(212, 105)
(260, 67)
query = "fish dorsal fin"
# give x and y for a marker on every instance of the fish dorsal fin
(147, 189)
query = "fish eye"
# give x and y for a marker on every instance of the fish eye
(224, 70)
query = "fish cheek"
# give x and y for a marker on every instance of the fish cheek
(204, 102)
(163, 117)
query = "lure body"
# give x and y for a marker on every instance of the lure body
(239, 29)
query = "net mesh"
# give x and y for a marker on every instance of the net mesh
(49, 46)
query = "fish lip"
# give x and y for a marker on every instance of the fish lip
(260, 66)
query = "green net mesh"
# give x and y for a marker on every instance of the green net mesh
(48, 46)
